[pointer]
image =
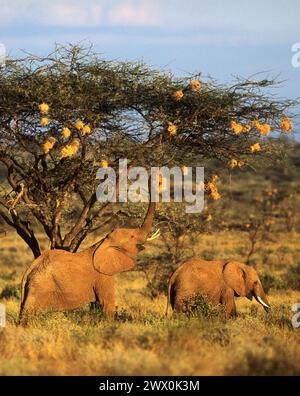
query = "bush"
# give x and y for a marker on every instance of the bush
(199, 306)
(11, 291)
(275, 360)
(123, 315)
(158, 269)
(280, 316)
(271, 281)
(293, 277)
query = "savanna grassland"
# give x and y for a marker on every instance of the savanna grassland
(141, 340)
(256, 220)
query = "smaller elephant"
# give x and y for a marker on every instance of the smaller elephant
(218, 281)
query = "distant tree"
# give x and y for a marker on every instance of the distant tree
(63, 114)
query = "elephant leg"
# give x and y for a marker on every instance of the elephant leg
(228, 300)
(182, 303)
(177, 305)
(105, 295)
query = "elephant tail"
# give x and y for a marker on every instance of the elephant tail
(25, 277)
(23, 294)
(23, 287)
(169, 296)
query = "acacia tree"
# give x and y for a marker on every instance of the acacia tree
(63, 114)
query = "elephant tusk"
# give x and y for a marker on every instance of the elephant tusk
(157, 232)
(154, 236)
(262, 302)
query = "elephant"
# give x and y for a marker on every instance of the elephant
(60, 280)
(218, 281)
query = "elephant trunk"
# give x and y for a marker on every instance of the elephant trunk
(261, 297)
(148, 221)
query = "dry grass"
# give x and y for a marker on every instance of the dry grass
(141, 340)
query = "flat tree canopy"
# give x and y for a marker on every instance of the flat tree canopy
(64, 115)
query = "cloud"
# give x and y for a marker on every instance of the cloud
(63, 13)
(77, 13)
(11, 10)
(190, 21)
(74, 15)
(134, 14)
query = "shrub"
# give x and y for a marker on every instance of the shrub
(157, 269)
(11, 291)
(271, 281)
(123, 315)
(279, 315)
(293, 277)
(199, 306)
(270, 360)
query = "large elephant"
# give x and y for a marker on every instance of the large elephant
(219, 281)
(60, 280)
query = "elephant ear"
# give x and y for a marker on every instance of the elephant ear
(110, 260)
(235, 277)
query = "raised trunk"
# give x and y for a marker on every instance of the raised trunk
(148, 221)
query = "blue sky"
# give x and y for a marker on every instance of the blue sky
(220, 38)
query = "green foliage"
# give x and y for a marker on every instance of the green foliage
(271, 281)
(11, 291)
(198, 306)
